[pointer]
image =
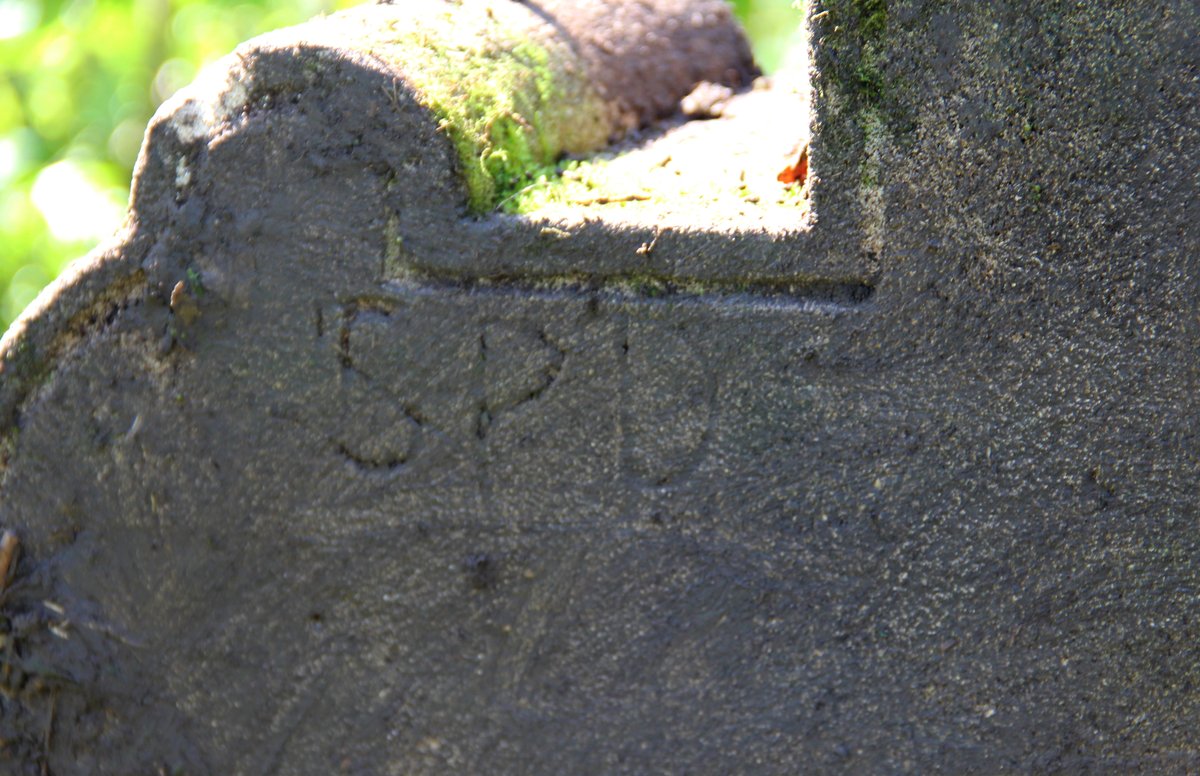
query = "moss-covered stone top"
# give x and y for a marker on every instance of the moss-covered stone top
(516, 86)
(511, 97)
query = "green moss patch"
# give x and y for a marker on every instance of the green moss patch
(511, 103)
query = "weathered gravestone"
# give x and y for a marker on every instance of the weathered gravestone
(323, 466)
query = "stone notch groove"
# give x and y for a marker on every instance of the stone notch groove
(652, 287)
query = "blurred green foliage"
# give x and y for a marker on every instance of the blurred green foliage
(773, 27)
(80, 79)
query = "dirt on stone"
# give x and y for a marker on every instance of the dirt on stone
(718, 172)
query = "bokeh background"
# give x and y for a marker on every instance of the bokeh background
(79, 80)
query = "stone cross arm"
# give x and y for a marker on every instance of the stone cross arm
(530, 387)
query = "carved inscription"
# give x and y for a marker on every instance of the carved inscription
(520, 363)
(431, 372)
(668, 402)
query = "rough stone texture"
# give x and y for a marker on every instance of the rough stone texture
(909, 488)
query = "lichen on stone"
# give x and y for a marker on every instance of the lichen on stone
(855, 32)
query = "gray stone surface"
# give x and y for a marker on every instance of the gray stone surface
(910, 487)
